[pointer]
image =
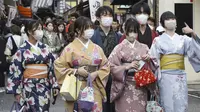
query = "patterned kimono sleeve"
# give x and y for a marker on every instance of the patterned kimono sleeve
(192, 48)
(51, 73)
(116, 66)
(155, 55)
(62, 65)
(15, 75)
(104, 68)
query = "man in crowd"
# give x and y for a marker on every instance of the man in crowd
(107, 39)
(73, 18)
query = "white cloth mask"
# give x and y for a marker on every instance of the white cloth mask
(142, 18)
(38, 35)
(106, 21)
(170, 25)
(132, 36)
(88, 33)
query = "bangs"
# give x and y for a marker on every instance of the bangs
(131, 25)
(170, 16)
(83, 23)
(166, 16)
(105, 12)
(131, 28)
(36, 25)
(88, 24)
(136, 9)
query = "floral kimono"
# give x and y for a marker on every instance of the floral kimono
(77, 54)
(172, 78)
(131, 99)
(35, 92)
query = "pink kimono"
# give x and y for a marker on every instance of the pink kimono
(131, 99)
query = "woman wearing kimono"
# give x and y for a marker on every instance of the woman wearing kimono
(169, 49)
(124, 57)
(83, 57)
(51, 39)
(31, 75)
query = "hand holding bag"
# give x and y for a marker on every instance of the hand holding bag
(70, 88)
(86, 100)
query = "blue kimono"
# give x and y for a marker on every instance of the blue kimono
(173, 82)
(35, 92)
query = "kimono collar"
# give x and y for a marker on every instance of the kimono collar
(33, 46)
(171, 37)
(132, 44)
(86, 44)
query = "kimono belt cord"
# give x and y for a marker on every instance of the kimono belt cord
(172, 61)
(35, 71)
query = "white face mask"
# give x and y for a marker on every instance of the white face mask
(88, 33)
(106, 21)
(131, 36)
(38, 34)
(170, 25)
(142, 18)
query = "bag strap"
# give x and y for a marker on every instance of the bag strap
(15, 105)
(76, 82)
(77, 77)
(89, 81)
(12, 107)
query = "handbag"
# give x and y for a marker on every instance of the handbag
(16, 107)
(153, 105)
(70, 88)
(145, 76)
(86, 100)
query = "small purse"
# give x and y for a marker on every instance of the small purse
(145, 76)
(86, 100)
(153, 105)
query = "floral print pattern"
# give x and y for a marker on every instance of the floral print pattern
(131, 98)
(35, 92)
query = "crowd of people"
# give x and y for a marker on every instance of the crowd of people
(41, 54)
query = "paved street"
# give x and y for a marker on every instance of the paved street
(7, 100)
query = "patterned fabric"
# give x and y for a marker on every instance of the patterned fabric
(132, 99)
(172, 83)
(77, 55)
(144, 77)
(35, 92)
(153, 106)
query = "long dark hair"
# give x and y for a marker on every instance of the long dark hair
(58, 24)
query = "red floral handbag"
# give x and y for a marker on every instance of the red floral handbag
(145, 76)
